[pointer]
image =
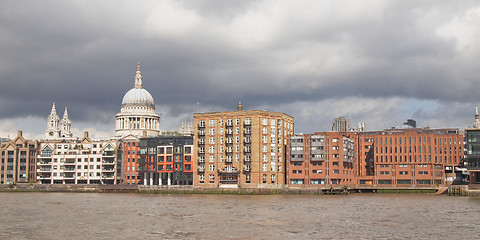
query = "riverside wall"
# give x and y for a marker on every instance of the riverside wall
(188, 189)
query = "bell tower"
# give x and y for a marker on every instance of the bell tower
(53, 130)
(66, 126)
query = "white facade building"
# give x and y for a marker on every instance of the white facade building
(137, 114)
(76, 161)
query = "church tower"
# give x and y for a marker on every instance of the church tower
(66, 126)
(476, 124)
(53, 130)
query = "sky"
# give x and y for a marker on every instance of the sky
(379, 62)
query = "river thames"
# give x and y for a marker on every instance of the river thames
(162, 216)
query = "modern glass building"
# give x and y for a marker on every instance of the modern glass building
(472, 159)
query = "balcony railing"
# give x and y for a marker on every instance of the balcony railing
(44, 177)
(221, 171)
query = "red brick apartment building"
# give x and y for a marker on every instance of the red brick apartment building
(321, 159)
(130, 161)
(408, 157)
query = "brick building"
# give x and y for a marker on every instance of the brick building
(18, 162)
(321, 159)
(241, 148)
(129, 149)
(408, 157)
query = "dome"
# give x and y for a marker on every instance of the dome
(138, 97)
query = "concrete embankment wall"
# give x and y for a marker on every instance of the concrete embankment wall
(452, 190)
(164, 189)
(49, 188)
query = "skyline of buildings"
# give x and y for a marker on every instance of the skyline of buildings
(242, 148)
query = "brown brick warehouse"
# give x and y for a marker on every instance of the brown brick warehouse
(240, 148)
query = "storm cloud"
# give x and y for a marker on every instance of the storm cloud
(378, 62)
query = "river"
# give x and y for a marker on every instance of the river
(162, 216)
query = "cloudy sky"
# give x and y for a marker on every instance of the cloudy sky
(378, 62)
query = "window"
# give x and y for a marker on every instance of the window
(247, 121)
(317, 181)
(335, 140)
(264, 121)
(212, 140)
(335, 147)
(296, 171)
(385, 181)
(403, 172)
(212, 123)
(202, 123)
(201, 177)
(212, 131)
(264, 167)
(272, 178)
(336, 171)
(336, 164)
(296, 181)
(317, 171)
(384, 172)
(212, 177)
(247, 178)
(404, 181)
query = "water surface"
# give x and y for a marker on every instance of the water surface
(158, 216)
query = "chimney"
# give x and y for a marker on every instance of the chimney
(85, 134)
(19, 133)
(240, 106)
